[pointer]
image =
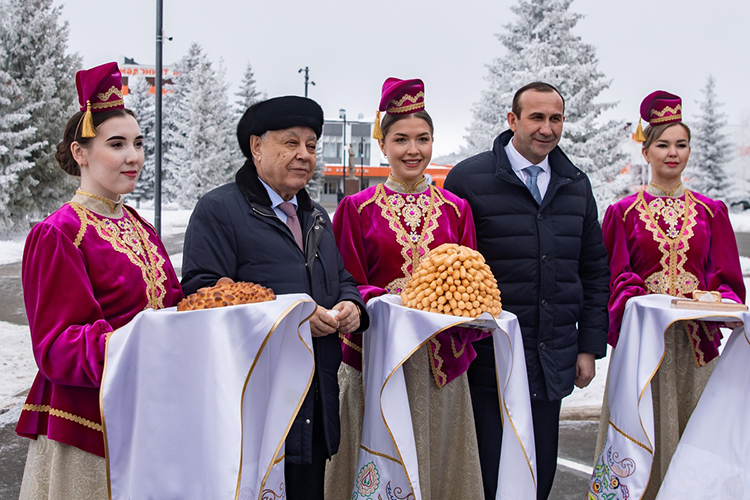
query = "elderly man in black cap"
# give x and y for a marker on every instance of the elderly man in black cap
(264, 228)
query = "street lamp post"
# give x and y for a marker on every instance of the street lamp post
(361, 163)
(342, 115)
(307, 77)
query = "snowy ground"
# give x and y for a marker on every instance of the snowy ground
(17, 366)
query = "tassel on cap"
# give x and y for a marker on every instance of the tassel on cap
(377, 133)
(87, 129)
(639, 135)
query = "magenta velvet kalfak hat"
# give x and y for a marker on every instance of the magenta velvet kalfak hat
(399, 97)
(402, 96)
(661, 107)
(99, 89)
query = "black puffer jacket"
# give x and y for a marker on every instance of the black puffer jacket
(234, 232)
(549, 261)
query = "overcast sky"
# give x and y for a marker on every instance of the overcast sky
(351, 46)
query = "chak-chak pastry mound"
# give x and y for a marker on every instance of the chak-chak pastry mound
(453, 279)
(226, 293)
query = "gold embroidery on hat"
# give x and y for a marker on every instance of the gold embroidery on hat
(110, 104)
(404, 109)
(103, 96)
(676, 113)
(407, 97)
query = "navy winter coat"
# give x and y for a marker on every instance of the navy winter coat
(548, 259)
(234, 232)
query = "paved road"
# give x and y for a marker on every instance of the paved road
(577, 438)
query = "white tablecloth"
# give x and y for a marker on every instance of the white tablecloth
(388, 457)
(198, 404)
(624, 466)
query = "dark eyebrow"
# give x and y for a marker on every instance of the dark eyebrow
(116, 138)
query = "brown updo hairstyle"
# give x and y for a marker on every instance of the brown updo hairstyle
(389, 119)
(73, 134)
(653, 132)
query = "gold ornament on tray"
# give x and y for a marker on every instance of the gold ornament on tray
(226, 293)
(709, 301)
(453, 279)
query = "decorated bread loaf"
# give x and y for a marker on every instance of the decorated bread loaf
(453, 279)
(226, 293)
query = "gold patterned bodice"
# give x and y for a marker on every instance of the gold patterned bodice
(413, 218)
(127, 236)
(670, 222)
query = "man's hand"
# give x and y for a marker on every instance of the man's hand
(348, 316)
(585, 369)
(322, 323)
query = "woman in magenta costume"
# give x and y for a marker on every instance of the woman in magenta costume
(667, 239)
(382, 233)
(88, 269)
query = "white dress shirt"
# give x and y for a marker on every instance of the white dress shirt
(519, 163)
(277, 200)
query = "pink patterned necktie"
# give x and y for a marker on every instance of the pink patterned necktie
(293, 222)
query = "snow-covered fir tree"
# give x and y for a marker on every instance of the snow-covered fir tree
(141, 101)
(35, 41)
(16, 147)
(201, 130)
(710, 147)
(541, 46)
(248, 93)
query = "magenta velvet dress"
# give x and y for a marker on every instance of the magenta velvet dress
(671, 246)
(85, 275)
(382, 235)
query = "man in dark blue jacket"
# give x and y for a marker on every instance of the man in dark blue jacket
(537, 227)
(264, 228)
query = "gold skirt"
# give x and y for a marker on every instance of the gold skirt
(444, 433)
(676, 389)
(57, 471)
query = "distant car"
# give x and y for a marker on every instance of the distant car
(744, 204)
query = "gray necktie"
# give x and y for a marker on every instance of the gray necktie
(293, 222)
(533, 172)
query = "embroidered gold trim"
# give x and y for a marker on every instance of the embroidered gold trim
(436, 363)
(383, 455)
(110, 104)
(457, 354)
(407, 189)
(103, 96)
(396, 286)
(405, 109)
(111, 204)
(699, 202)
(673, 279)
(63, 414)
(692, 328)
(449, 203)
(398, 103)
(349, 343)
(412, 250)
(677, 110)
(664, 190)
(128, 237)
(365, 203)
(631, 438)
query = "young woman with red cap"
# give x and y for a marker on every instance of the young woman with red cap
(667, 239)
(382, 233)
(87, 270)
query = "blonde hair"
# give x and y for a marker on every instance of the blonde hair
(653, 132)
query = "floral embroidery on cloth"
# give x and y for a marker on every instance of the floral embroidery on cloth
(608, 475)
(368, 486)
